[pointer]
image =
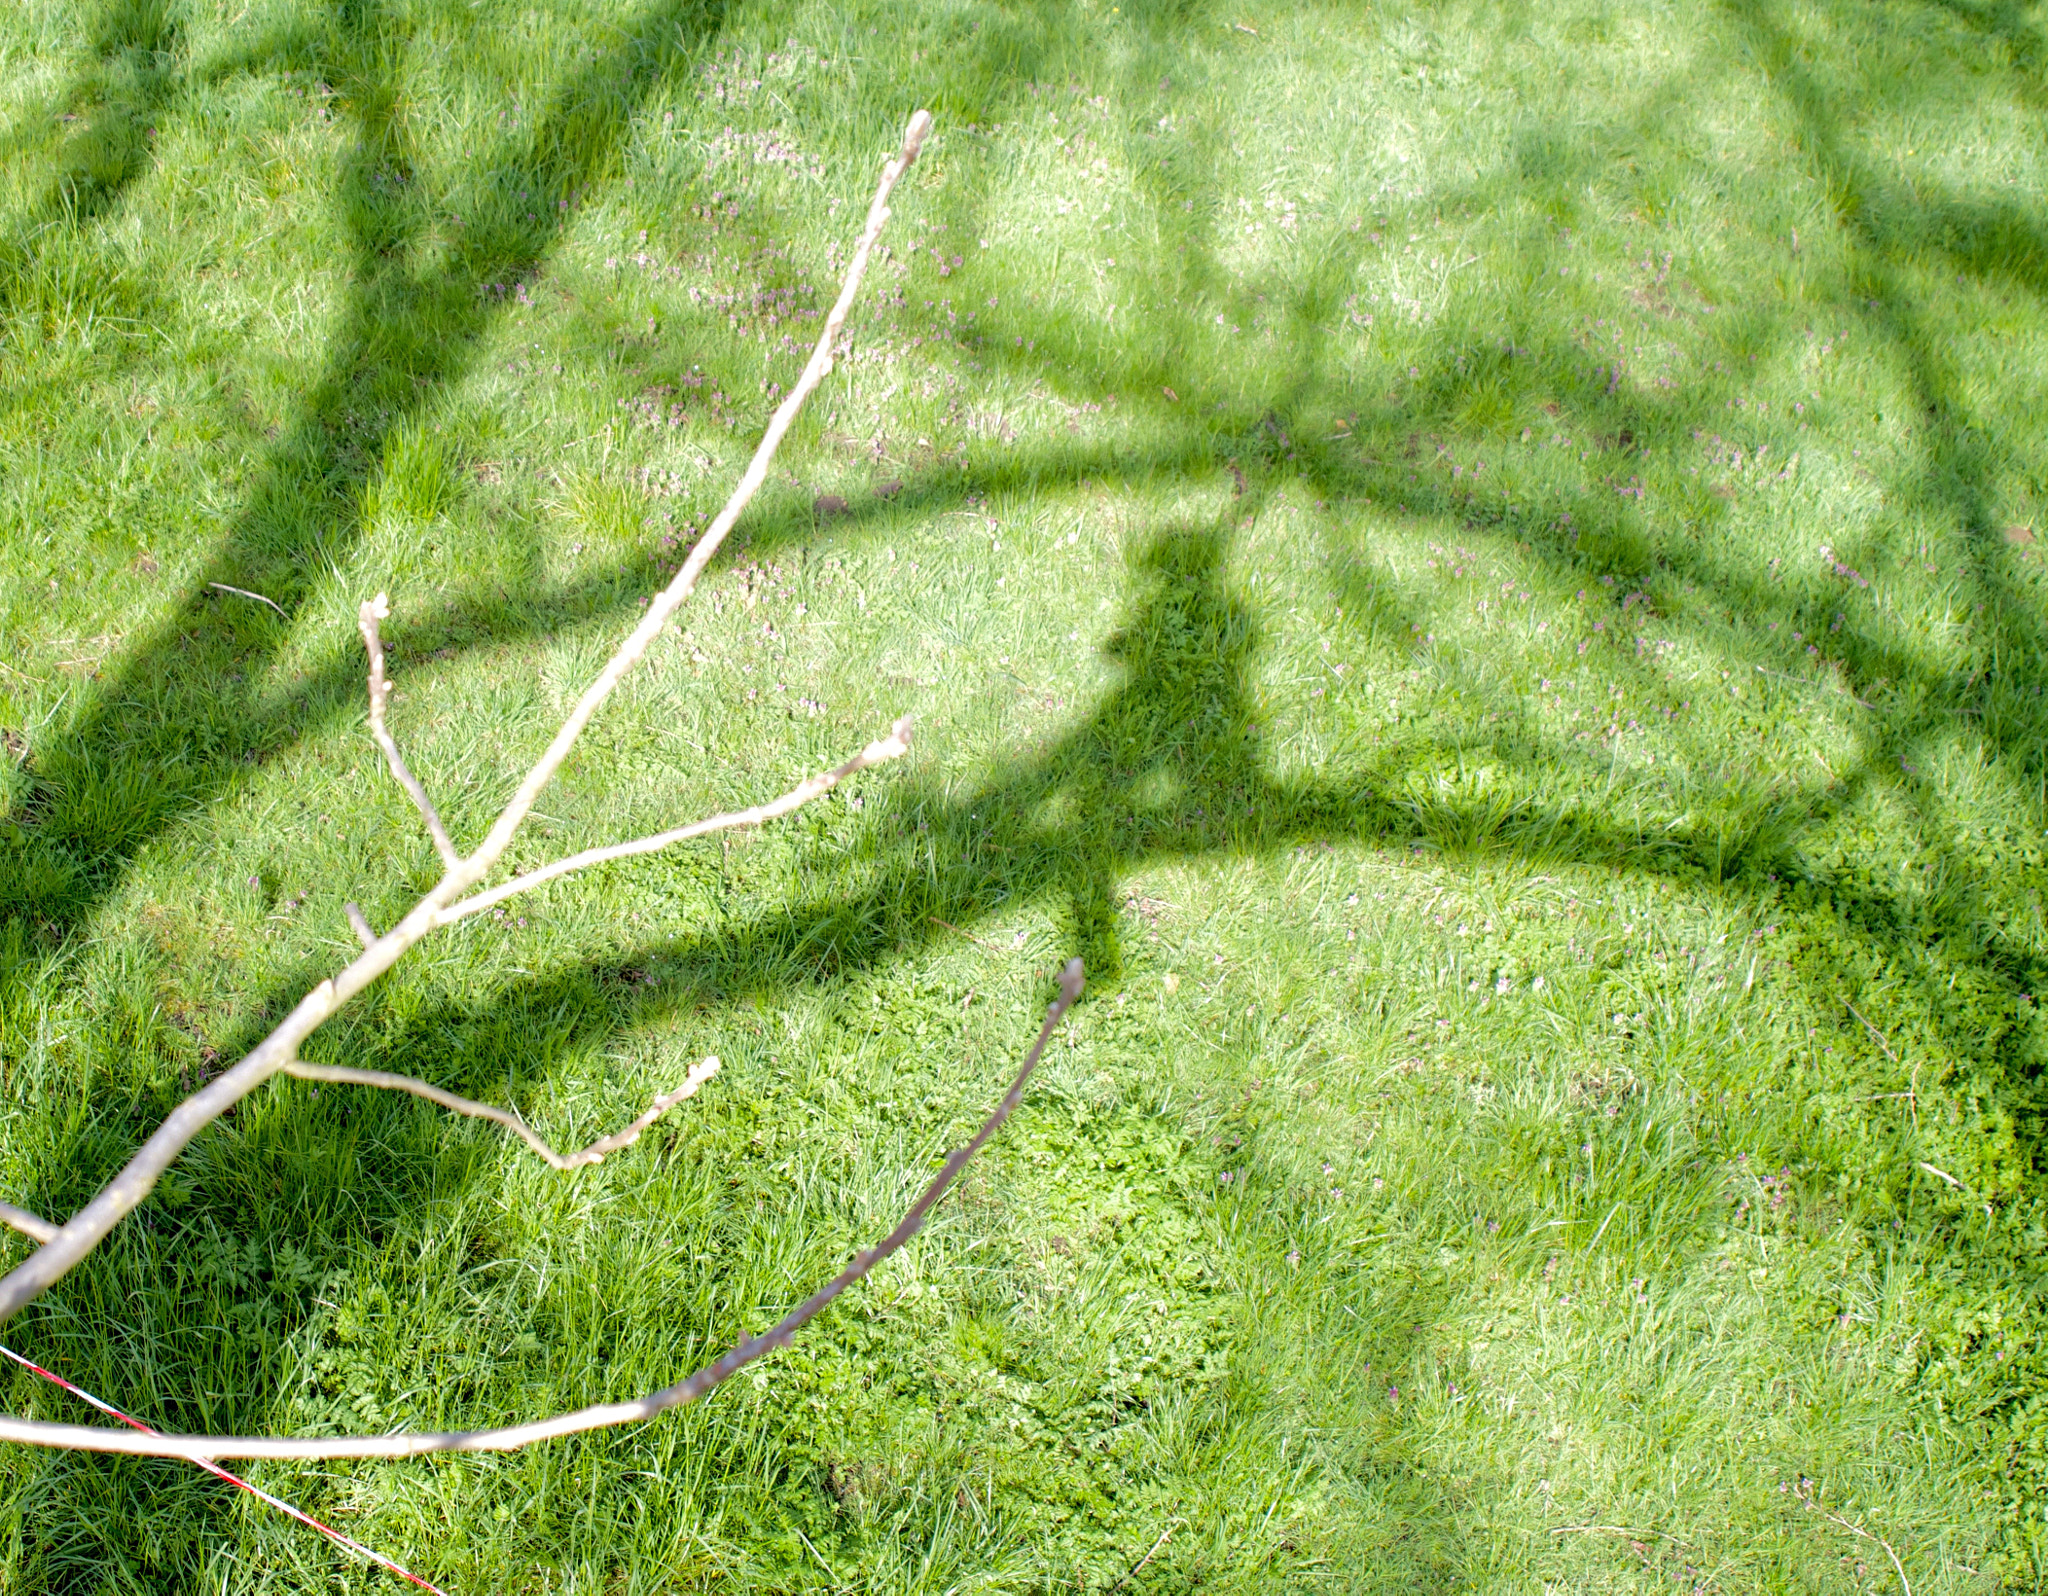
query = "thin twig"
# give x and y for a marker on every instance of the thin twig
(1912, 1096)
(1874, 1031)
(671, 598)
(1154, 1552)
(593, 1154)
(359, 925)
(971, 937)
(138, 1177)
(243, 592)
(27, 1223)
(373, 611)
(1804, 1490)
(80, 1437)
(235, 1480)
(883, 749)
(1945, 1175)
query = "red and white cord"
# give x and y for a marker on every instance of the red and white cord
(211, 1467)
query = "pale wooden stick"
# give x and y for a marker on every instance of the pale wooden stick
(86, 1438)
(243, 592)
(27, 1223)
(373, 611)
(894, 746)
(359, 925)
(134, 1181)
(593, 1154)
(670, 599)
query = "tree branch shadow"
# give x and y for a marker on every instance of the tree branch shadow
(1173, 762)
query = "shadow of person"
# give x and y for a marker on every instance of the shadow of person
(1172, 762)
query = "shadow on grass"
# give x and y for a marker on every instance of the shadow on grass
(181, 718)
(1174, 762)
(99, 143)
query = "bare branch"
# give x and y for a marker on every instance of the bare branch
(27, 1223)
(134, 1181)
(373, 611)
(220, 1473)
(593, 1154)
(359, 925)
(671, 598)
(894, 746)
(85, 1438)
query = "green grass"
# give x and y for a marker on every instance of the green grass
(1480, 563)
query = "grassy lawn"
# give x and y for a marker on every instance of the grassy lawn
(1481, 563)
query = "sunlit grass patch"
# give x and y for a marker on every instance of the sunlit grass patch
(1483, 569)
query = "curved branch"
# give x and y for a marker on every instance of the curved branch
(593, 1154)
(87, 1228)
(82, 1437)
